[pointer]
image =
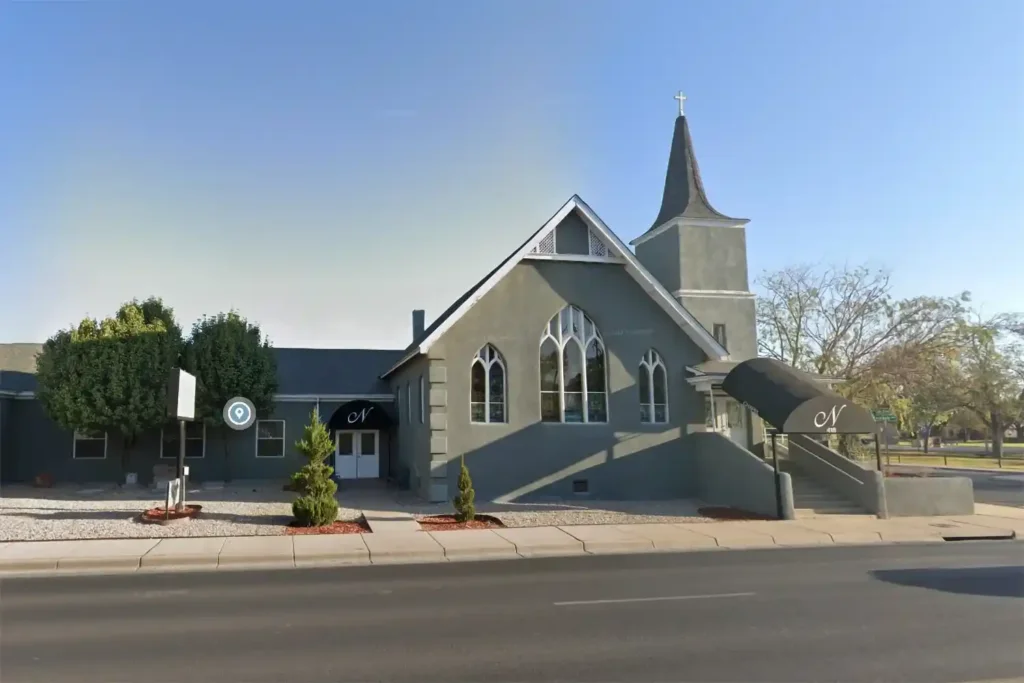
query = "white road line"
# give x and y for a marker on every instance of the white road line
(660, 599)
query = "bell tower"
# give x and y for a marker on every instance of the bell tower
(700, 254)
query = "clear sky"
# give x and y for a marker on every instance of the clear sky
(327, 166)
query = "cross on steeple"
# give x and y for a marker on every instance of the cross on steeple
(682, 99)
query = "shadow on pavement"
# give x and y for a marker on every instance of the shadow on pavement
(997, 582)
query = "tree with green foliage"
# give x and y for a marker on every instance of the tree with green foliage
(993, 381)
(111, 376)
(229, 357)
(317, 505)
(465, 510)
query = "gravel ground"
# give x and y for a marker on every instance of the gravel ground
(595, 512)
(28, 514)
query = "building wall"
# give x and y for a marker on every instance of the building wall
(412, 435)
(528, 459)
(39, 446)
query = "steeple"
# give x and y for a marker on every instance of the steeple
(684, 195)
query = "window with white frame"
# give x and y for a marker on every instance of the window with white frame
(487, 387)
(270, 438)
(89, 446)
(423, 399)
(653, 389)
(195, 441)
(573, 380)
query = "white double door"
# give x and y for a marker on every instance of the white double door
(357, 454)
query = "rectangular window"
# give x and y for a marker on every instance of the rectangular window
(195, 441)
(89, 446)
(719, 332)
(270, 438)
(423, 400)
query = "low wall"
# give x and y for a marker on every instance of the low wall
(929, 496)
(728, 475)
(844, 476)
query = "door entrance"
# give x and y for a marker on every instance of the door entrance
(730, 420)
(357, 454)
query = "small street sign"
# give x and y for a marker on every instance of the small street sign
(883, 415)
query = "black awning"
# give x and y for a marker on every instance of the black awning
(360, 414)
(792, 402)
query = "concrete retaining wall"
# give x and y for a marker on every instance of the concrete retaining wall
(928, 496)
(730, 476)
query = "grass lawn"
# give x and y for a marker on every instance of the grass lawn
(1012, 461)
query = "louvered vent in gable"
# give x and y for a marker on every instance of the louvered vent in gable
(546, 245)
(597, 247)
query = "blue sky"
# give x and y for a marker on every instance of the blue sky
(325, 167)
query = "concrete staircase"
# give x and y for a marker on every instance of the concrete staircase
(811, 499)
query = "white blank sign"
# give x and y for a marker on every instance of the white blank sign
(181, 395)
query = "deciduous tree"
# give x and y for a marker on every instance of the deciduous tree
(993, 377)
(230, 357)
(111, 375)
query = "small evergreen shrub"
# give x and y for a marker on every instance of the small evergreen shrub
(317, 505)
(465, 511)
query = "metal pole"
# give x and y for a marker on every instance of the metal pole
(179, 505)
(878, 453)
(778, 479)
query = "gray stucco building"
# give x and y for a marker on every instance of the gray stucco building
(576, 367)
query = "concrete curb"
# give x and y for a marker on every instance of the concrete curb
(122, 565)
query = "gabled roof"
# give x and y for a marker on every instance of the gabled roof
(684, 195)
(689, 324)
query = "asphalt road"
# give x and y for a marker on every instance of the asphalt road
(935, 613)
(994, 487)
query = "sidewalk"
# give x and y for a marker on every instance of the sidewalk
(405, 546)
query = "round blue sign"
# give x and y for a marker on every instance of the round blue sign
(239, 413)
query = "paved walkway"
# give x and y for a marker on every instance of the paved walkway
(394, 541)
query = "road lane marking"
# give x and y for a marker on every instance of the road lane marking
(665, 598)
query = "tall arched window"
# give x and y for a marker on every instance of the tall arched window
(573, 387)
(653, 389)
(487, 375)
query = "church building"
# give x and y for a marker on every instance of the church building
(576, 367)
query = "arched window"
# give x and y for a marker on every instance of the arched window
(487, 392)
(573, 387)
(653, 389)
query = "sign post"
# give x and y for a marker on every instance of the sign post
(181, 406)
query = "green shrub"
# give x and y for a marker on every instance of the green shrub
(465, 511)
(317, 505)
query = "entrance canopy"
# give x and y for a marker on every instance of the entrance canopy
(360, 415)
(792, 402)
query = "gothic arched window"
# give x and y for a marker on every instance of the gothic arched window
(573, 384)
(653, 389)
(487, 382)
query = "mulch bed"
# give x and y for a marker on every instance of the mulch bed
(159, 515)
(356, 526)
(449, 523)
(727, 513)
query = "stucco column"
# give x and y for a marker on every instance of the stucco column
(437, 478)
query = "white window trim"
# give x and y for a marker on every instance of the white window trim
(423, 399)
(584, 345)
(78, 436)
(649, 367)
(496, 359)
(284, 427)
(163, 431)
